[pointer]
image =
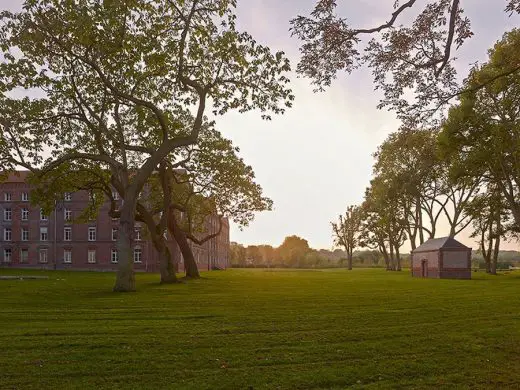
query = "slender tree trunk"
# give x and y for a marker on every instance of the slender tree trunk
(392, 257)
(125, 279)
(398, 258)
(421, 232)
(496, 251)
(190, 266)
(384, 252)
(349, 258)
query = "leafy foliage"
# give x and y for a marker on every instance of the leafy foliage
(414, 57)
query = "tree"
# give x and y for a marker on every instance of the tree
(384, 221)
(417, 55)
(254, 255)
(348, 230)
(490, 224)
(213, 180)
(482, 132)
(237, 253)
(409, 161)
(50, 187)
(116, 83)
(293, 250)
(267, 253)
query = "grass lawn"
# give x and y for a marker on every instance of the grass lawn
(257, 329)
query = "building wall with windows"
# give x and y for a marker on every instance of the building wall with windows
(28, 238)
(214, 253)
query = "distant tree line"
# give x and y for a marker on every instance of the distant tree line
(295, 252)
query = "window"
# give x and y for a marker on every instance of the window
(25, 214)
(7, 214)
(115, 195)
(67, 256)
(67, 234)
(114, 234)
(25, 234)
(138, 234)
(43, 256)
(91, 256)
(67, 215)
(67, 196)
(8, 255)
(25, 196)
(7, 234)
(114, 256)
(92, 234)
(43, 217)
(7, 196)
(24, 256)
(43, 234)
(137, 255)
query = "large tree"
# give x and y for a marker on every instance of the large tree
(384, 221)
(482, 132)
(490, 224)
(403, 53)
(347, 231)
(213, 180)
(115, 82)
(409, 161)
(293, 250)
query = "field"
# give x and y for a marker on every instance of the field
(258, 329)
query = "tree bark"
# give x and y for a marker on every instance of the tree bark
(125, 278)
(398, 258)
(384, 252)
(496, 251)
(392, 257)
(166, 265)
(349, 260)
(190, 266)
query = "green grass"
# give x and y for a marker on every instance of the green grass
(257, 329)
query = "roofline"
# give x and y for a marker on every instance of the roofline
(441, 249)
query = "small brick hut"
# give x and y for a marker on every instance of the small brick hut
(442, 258)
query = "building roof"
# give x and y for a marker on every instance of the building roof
(15, 177)
(434, 244)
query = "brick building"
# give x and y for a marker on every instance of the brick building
(442, 258)
(28, 238)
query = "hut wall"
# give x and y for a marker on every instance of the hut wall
(455, 259)
(456, 264)
(433, 263)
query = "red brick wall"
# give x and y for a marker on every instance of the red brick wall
(213, 252)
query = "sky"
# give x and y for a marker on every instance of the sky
(316, 159)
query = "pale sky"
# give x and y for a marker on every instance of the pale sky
(317, 158)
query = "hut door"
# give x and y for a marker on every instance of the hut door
(424, 268)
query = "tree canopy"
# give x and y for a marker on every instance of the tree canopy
(404, 56)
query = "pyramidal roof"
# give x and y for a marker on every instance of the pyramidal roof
(440, 243)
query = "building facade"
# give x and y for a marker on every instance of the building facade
(30, 239)
(443, 258)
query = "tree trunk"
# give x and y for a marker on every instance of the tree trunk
(349, 259)
(398, 258)
(421, 232)
(385, 257)
(125, 279)
(166, 265)
(496, 250)
(392, 257)
(190, 266)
